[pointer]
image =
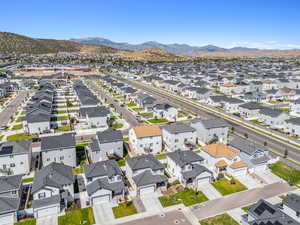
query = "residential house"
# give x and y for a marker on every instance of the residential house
(95, 116)
(231, 105)
(9, 207)
(165, 111)
(250, 110)
(292, 126)
(275, 118)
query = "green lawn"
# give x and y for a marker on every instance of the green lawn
(223, 219)
(131, 104)
(63, 128)
(121, 162)
(59, 118)
(60, 112)
(77, 217)
(17, 127)
(246, 208)
(289, 174)
(255, 121)
(116, 126)
(27, 180)
(137, 109)
(188, 197)
(181, 114)
(30, 221)
(19, 120)
(124, 209)
(157, 121)
(226, 187)
(78, 170)
(61, 106)
(17, 137)
(126, 139)
(160, 156)
(146, 114)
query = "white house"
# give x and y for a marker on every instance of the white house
(165, 111)
(275, 118)
(95, 116)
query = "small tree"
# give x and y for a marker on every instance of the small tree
(246, 135)
(286, 152)
(265, 143)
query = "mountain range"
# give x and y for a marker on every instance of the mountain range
(177, 49)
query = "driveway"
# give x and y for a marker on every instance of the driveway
(103, 213)
(151, 203)
(209, 191)
(47, 220)
(236, 214)
(269, 177)
(249, 181)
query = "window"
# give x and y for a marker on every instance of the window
(42, 195)
(12, 165)
(21, 163)
(298, 214)
(14, 192)
(61, 158)
(48, 159)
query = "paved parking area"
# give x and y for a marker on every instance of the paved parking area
(103, 213)
(151, 203)
(249, 181)
(269, 177)
(209, 191)
(47, 220)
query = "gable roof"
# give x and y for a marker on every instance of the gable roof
(182, 158)
(219, 150)
(144, 162)
(109, 136)
(103, 168)
(55, 142)
(103, 183)
(147, 178)
(176, 128)
(10, 183)
(211, 123)
(8, 204)
(147, 130)
(15, 147)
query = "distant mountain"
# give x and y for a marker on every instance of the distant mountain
(177, 49)
(15, 43)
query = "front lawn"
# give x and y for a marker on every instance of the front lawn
(63, 128)
(226, 187)
(157, 121)
(160, 156)
(59, 118)
(223, 219)
(116, 126)
(124, 209)
(246, 208)
(146, 114)
(22, 136)
(188, 197)
(126, 139)
(19, 120)
(131, 105)
(29, 221)
(60, 112)
(289, 174)
(17, 127)
(137, 109)
(121, 162)
(27, 180)
(77, 217)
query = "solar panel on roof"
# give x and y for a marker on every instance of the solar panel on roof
(6, 150)
(262, 208)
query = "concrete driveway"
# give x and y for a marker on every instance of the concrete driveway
(151, 203)
(47, 220)
(103, 213)
(236, 214)
(249, 181)
(269, 177)
(209, 191)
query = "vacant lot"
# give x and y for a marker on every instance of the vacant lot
(226, 187)
(289, 174)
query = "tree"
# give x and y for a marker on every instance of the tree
(265, 143)
(246, 135)
(286, 152)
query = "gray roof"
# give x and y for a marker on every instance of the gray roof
(55, 142)
(109, 136)
(259, 160)
(211, 123)
(99, 111)
(53, 200)
(178, 127)
(103, 183)
(162, 106)
(295, 121)
(270, 112)
(196, 171)
(246, 145)
(103, 168)
(292, 201)
(251, 106)
(10, 183)
(147, 178)
(15, 147)
(53, 175)
(8, 204)
(144, 162)
(182, 158)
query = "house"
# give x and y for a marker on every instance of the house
(211, 130)
(15, 157)
(37, 121)
(145, 101)
(145, 139)
(171, 85)
(59, 148)
(52, 189)
(146, 174)
(104, 182)
(250, 110)
(200, 94)
(187, 167)
(254, 154)
(292, 126)
(294, 107)
(165, 111)
(11, 186)
(9, 207)
(231, 105)
(95, 116)
(263, 212)
(178, 136)
(220, 157)
(106, 143)
(216, 100)
(275, 118)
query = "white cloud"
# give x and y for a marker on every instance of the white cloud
(265, 45)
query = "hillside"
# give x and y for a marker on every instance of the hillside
(259, 53)
(15, 43)
(151, 55)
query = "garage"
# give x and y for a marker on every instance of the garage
(100, 199)
(47, 211)
(261, 167)
(203, 181)
(146, 190)
(239, 172)
(7, 219)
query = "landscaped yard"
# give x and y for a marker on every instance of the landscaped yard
(131, 104)
(60, 112)
(188, 197)
(181, 114)
(160, 156)
(19, 120)
(227, 187)
(255, 121)
(223, 219)
(77, 217)
(126, 139)
(137, 109)
(121, 162)
(27, 180)
(124, 209)
(246, 208)
(289, 174)
(17, 127)
(157, 121)
(116, 126)
(22, 136)
(59, 118)
(146, 114)
(63, 128)
(30, 221)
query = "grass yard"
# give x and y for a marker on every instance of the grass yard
(61, 106)
(158, 121)
(181, 114)
(29, 221)
(255, 121)
(121, 162)
(188, 197)
(59, 118)
(17, 127)
(223, 219)
(19, 120)
(77, 217)
(126, 139)
(22, 136)
(63, 128)
(131, 104)
(124, 209)
(289, 174)
(137, 109)
(27, 180)
(78, 170)
(226, 187)
(60, 112)
(146, 114)
(160, 156)
(246, 208)
(116, 126)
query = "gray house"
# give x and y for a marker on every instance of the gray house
(95, 116)
(8, 210)
(146, 174)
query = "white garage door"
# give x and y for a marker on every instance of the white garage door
(6, 219)
(101, 199)
(146, 190)
(47, 211)
(260, 168)
(240, 172)
(203, 181)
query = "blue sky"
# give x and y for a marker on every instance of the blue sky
(227, 23)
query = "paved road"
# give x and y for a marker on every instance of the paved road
(12, 108)
(237, 200)
(273, 144)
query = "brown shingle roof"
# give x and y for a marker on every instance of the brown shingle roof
(219, 150)
(238, 164)
(221, 163)
(147, 130)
